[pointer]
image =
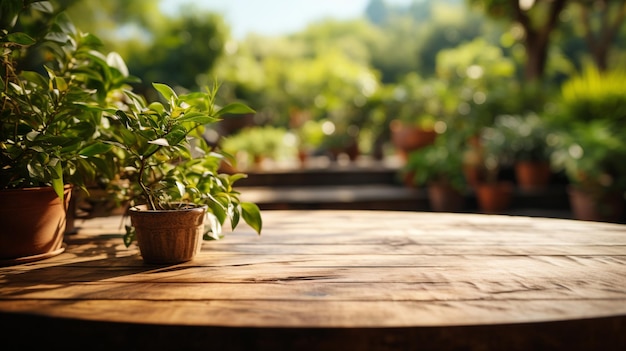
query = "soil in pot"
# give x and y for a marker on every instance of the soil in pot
(168, 236)
(33, 222)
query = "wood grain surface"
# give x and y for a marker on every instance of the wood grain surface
(357, 279)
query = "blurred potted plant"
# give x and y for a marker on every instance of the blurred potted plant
(251, 146)
(592, 156)
(175, 175)
(310, 136)
(489, 156)
(409, 135)
(591, 150)
(439, 167)
(414, 105)
(343, 141)
(526, 140)
(54, 86)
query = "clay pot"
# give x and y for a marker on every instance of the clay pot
(587, 207)
(494, 197)
(33, 222)
(407, 138)
(168, 236)
(532, 175)
(444, 198)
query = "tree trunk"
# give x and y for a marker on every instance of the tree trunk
(599, 43)
(537, 37)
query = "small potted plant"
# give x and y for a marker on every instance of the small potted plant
(254, 145)
(591, 150)
(490, 156)
(415, 106)
(439, 167)
(592, 156)
(174, 174)
(54, 87)
(526, 140)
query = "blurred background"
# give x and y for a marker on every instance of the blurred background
(483, 84)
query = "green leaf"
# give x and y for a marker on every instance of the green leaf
(129, 236)
(215, 227)
(21, 39)
(57, 180)
(60, 83)
(43, 6)
(32, 135)
(167, 92)
(160, 141)
(235, 218)
(95, 149)
(157, 107)
(197, 117)
(217, 210)
(252, 215)
(177, 135)
(235, 108)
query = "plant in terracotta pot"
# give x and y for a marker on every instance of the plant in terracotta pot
(414, 105)
(252, 146)
(54, 86)
(526, 140)
(490, 155)
(439, 167)
(177, 191)
(592, 156)
(591, 116)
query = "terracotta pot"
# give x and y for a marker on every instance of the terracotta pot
(532, 175)
(473, 175)
(407, 138)
(494, 197)
(168, 236)
(33, 221)
(444, 198)
(585, 206)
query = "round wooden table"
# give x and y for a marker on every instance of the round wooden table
(334, 280)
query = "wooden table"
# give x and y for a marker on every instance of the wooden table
(334, 280)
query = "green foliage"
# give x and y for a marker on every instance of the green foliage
(592, 156)
(595, 95)
(483, 78)
(182, 51)
(310, 135)
(52, 110)
(441, 161)
(169, 162)
(524, 137)
(253, 144)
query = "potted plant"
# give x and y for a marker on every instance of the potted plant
(592, 156)
(174, 174)
(489, 156)
(591, 150)
(254, 145)
(54, 86)
(415, 106)
(526, 140)
(439, 167)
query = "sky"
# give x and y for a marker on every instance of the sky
(276, 17)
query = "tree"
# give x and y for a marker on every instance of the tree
(182, 52)
(537, 19)
(601, 30)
